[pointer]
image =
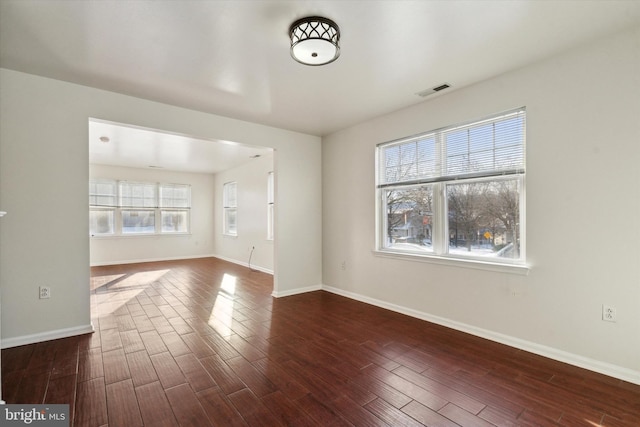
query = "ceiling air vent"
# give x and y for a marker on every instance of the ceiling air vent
(431, 91)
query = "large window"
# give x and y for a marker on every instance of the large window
(456, 192)
(136, 208)
(230, 207)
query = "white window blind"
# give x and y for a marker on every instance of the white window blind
(490, 147)
(270, 188)
(175, 196)
(138, 194)
(230, 205)
(103, 193)
(230, 199)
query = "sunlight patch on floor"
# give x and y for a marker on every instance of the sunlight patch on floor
(100, 281)
(221, 316)
(110, 302)
(140, 279)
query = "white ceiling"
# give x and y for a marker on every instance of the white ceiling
(131, 146)
(231, 58)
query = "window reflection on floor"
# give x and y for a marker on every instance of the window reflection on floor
(111, 292)
(221, 316)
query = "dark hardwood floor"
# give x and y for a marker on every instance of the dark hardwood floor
(202, 343)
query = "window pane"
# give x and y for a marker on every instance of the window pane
(138, 221)
(174, 221)
(101, 221)
(409, 214)
(270, 188)
(484, 219)
(407, 161)
(493, 145)
(230, 226)
(137, 194)
(175, 196)
(102, 193)
(392, 156)
(230, 191)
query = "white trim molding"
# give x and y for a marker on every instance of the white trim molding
(604, 368)
(136, 261)
(244, 264)
(47, 336)
(296, 291)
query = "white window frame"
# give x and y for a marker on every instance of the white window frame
(180, 203)
(135, 196)
(152, 200)
(111, 225)
(101, 201)
(126, 210)
(439, 181)
(230, 208)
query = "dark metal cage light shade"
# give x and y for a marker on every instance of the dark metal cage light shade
(314, 40)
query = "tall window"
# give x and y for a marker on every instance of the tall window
(175, 203)
(103, 199)
(456, 192)
(138, 201)
(136, 208)
(270, 206)
(230, 207)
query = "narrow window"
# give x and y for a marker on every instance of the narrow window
(270, 206)
(138, 202)
(230, 207)
(175, 208)
(102, 207)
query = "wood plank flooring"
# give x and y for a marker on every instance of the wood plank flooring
(203, 343)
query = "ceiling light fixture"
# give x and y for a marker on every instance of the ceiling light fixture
(314, 40)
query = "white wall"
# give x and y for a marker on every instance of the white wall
(251, 179)
(583, 200)
(44, 172)
(199, 243)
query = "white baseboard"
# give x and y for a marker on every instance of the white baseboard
(244, 264)
(296, 291)
(136, 261)
(609, 369)
(46, 336)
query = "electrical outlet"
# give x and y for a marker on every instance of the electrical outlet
(343, 266)
(608, 313)
(45, 292)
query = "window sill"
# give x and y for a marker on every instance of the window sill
(129, 236)
(521, 270)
